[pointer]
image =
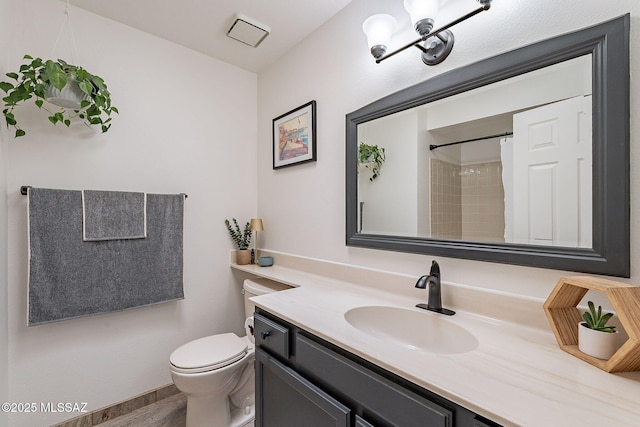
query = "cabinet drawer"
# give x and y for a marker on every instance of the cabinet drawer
(390, 403)
(271, 336)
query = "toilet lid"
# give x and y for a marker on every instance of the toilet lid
(208, 353)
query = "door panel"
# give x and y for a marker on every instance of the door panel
(552, 174)
(286, 399)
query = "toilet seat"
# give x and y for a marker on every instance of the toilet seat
(208, 353)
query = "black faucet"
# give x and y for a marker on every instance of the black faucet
(434, 302)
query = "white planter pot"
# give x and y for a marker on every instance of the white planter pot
(597, 343)
(365, 166)
(69, 97)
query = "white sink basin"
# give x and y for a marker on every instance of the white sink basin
(413, 329)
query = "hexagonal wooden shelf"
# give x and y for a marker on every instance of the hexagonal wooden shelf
(564, 316)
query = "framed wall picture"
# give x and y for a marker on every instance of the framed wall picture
(294, 136)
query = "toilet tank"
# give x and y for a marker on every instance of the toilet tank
(254, 287)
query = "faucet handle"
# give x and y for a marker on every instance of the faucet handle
(435, 269)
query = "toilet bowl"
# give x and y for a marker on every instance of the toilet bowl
(216, 372)
(208, 371)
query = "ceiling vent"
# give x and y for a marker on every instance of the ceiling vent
(248, 31)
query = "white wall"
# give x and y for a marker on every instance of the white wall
(333, 66)
(4, 331)
(550, 84)
(187, 124)
(385, 208)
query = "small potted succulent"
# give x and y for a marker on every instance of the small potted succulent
(71, 91)
(595, 338)
(242, 239)
(371, 157)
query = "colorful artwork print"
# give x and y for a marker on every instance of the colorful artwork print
(294, 138)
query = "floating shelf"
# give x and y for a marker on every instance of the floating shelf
(564, 316)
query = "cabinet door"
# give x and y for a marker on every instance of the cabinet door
(286, 399)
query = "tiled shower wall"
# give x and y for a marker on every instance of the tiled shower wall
(467, 202)
(446, 200)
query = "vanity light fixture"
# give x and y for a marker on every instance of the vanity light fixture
(378, 29)
(434, 44)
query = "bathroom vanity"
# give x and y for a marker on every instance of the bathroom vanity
(300, 377)
(346, 346)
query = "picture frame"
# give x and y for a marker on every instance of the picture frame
(294, 136)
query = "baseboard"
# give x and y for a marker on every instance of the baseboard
(99, 416)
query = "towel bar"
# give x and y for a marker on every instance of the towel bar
(25, 188)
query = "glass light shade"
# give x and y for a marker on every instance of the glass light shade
(378, 29)
(421, 9)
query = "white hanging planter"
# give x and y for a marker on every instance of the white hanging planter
(36, 73)
(368, 164)
(597, 343)
(71, 96)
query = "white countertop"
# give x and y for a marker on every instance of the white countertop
(516, 376)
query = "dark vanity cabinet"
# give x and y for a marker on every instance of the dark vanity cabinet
(302, 380)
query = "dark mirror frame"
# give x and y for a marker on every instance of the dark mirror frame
(608, 43)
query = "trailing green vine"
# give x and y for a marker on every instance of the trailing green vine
(35, 75)
(372, 157)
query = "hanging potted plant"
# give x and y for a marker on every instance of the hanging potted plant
(75, 92)
(371, 157)
(595, 338)
(242, 239)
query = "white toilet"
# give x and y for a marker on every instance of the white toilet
(216, 372)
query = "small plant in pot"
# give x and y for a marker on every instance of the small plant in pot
(371, 157)
(242, 239)
(72, 93)
(595, 338)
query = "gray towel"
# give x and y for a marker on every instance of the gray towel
(113, 215)
(69, 277)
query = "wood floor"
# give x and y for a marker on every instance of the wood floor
(169, 412)
(162, 407)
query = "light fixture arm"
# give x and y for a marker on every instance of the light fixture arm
(416, 43)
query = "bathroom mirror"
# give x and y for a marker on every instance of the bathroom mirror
(522, 158)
